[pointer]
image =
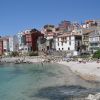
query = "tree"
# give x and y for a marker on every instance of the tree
(96, 54)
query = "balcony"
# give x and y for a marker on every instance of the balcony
(85, 39)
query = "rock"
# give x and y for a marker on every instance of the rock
(90, 97)
(93, 97)
(97, 96)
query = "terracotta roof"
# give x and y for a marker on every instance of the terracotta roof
(65, 34)
(87, 31)
(69, 34)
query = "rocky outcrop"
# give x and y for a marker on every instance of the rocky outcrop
(93, 97)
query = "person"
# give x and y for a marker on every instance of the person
(42, 63)
(79, 60)
(98, 60)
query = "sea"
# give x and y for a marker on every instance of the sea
(42, 81)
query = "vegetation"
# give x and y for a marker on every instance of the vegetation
(96, 54)
(14, 54)
(35, 53)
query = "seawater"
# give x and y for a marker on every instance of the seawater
(40, 82)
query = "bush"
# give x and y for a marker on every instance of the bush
(35, 53)
(84, 55)
(14, 54)
(96, 54)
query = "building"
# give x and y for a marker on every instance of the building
(31, 39)
(42, 44)
(28, 40)
(90, 24)
(85, 38)
(1, 46)
(13, 43)
(5, 44)
(49, 32)
(20, 41)
(94, 41)
(69, 42)
(64, 26)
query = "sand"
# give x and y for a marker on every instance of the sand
(89, 71)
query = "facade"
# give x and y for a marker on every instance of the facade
(69, 42)
(42, 44)
(35, 34)
(94, 41)
(64, 26)
(20, 41)
(85, 38)
(90, 24)
(49, 32)
(5, 44)
(13, 43)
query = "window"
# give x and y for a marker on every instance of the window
(69, 38)
(69, 42)
(68, 48)
(58, 39)
(78, 43)
(65, 41)
(62, 43)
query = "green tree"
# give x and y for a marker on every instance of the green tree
(96, 54)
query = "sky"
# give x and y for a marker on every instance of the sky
(19, 15)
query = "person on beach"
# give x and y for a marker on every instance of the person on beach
(79, 60)
(42, 63)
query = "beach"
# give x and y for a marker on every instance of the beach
(89, 71)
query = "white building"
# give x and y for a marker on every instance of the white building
(20, 40)
(68, 42)
(13, 43)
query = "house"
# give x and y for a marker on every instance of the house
(64, 26)
(94, 40)
(85, 38)
(49, 32)
(5, 45)
(13, 43)
(69, 42)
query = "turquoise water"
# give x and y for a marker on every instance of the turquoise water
(34, 82)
